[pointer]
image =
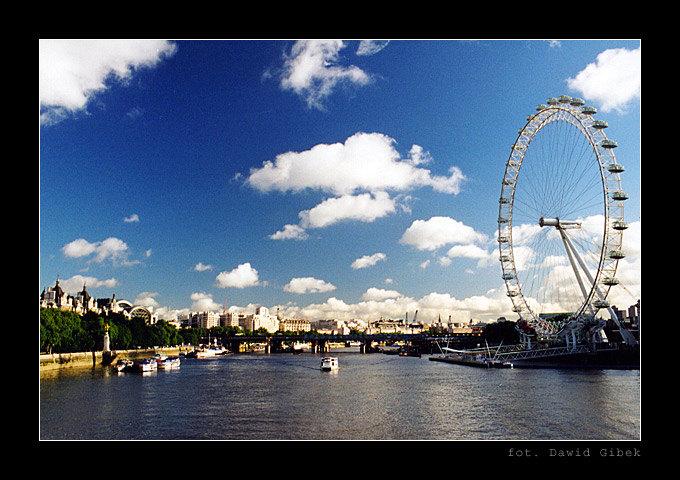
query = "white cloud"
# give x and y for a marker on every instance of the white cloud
(146, 299)
(308, 285)
(78, 248)
(76, 282)
(290, 232)
(312, 71)
(112, 249)
(203, 302)
(613, 80)
(363, 207)
(439, 231)
(71, 72)
(390, 304)
(379, 294)
(467, 251)
(200, 267)
(132, 218)
(365, 162)
(371, 47)
(241, 277)
(368, 261)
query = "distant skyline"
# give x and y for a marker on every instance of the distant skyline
(330, 179)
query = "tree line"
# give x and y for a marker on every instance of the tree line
(67, 332)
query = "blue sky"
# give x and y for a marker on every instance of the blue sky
(329, 179)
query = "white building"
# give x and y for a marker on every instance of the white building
(261, 319)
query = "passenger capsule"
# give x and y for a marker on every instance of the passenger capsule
(600, 124)
(589, 110)
(576, 102)
(608, 144)
(619, 195)
(610, 281)
(552, 101)
(503, 239)
(564, 99)
(508, 276)
(615, 168)
(620, 225)
(505, 258)
(616, 254)
(541, 107)
(600, 303)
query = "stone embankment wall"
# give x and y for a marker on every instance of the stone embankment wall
(90, 359)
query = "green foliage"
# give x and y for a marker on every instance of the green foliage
(64, 332)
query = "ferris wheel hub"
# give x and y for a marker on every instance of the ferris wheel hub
(557, 223)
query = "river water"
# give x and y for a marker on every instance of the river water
(371, 396)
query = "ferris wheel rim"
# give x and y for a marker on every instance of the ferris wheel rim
(571, 111)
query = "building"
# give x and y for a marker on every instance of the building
(294, 325)
(261, 319)
(231, 319)
(205, 320)
(82, 302)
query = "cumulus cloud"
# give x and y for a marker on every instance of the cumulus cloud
(134, 218)
(146, 299)
(72, 72)
(359, 173)
(312, 70)
(613, 80)
(368, 261)
(290, 232)
(76, 282)
(388, 303)
(308, 285)
(200, 267)
(112, 249)
(379, 294)
(203, 302)
(241, 277)
(364, 162)
(364, 208)
(439, 231)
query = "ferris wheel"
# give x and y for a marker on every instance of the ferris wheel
(560, 222)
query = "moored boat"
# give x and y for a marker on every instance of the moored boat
(169, 363)
(123, 365)
(147, 365)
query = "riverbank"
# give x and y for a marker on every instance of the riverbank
(57, 361)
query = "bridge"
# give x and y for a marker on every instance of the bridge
(320, 342)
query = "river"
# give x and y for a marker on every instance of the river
(371, 397)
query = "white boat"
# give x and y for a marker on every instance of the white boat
(329, 363)
(147, 365)
(206, 353)
(169, 363)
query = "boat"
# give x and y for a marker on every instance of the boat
(206, 353)
(169, 363)
(147, 365)
(123, 365)
(329, 363)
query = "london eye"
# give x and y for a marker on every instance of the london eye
(561, 224)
